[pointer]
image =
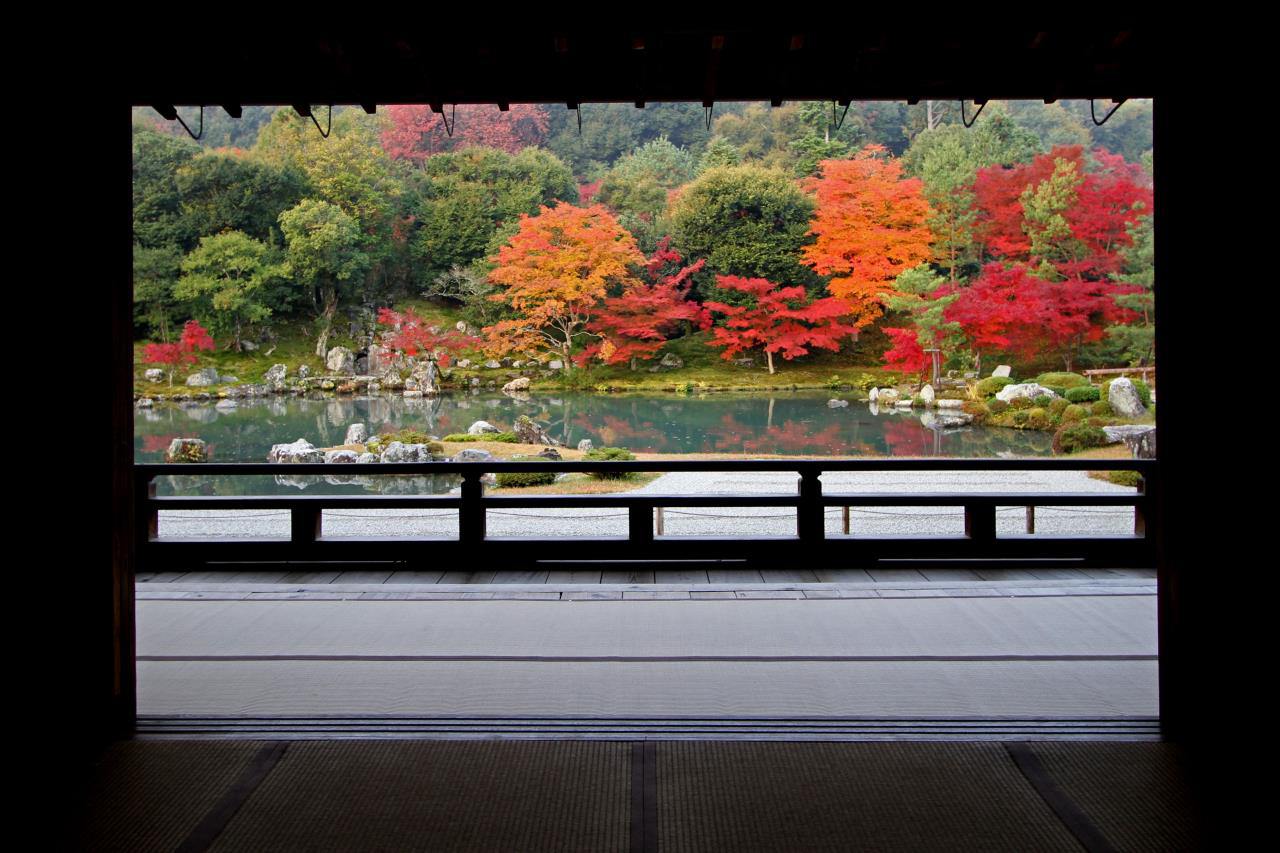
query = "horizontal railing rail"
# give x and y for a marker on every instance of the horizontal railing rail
(646, 539)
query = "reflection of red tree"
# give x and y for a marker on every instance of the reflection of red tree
(907, 437)
(616, 432)
(733, 436)
(157, 443)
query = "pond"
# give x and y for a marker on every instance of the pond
(797, 423)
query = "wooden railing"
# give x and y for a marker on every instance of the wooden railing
(810, 546)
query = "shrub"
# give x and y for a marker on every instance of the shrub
(1084, 394)
(408, 435)
(990, 386)
(523, 479)
(1021, 403)
(997, 407)
(1042, 400)
(609, 454)
(1038, 418)
(1059, 390)
(866, 381)
(980, 411)
(1075, 437)
(1101, 409)
(1020, 417)
(1065, 380)
(1125, 478)
(1058, 406)
(506, 437)
(1073, 412)
(1144, 392)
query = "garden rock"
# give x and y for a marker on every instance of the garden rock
(672, 360)
(473, 454)
(276, 375)
(300, 451)
(304, 371)
(585, 445)
(517, 386)
(1025, 389)
(1124, 399)
(426, 375)
(926, 395)
(155, 374)
(550, 453)
(366, 458)
(481, 427)
(492, 365)
(837, 404)
(225, 404)
(950, 404)
(398, 451)
(555, 364)
(340, 360)
(356, 434)
(1141, 440)
(208, 376)
(1002, 371)
(529, 432)
(464, 363)
(187, 450)
(341, 457)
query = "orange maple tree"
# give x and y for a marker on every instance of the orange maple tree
(870, 226)
(554, 272)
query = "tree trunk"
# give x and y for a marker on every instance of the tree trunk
(326, 324)
(768, 355)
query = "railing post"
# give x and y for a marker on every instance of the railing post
(640, 524)
(146, 519)
(1031, 519)
(980, 522)
(1140, 509)
(304, 524)
(844, 520)
(809, 509)
(659, 519)
(471, 513)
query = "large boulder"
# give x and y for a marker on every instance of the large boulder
(473, 454)
(300, 451)
(672, 360)
(517, 386)
(1025, 389)
(555, 364)
(530, 432)
(276, 375)
(341, 457)
(398, 451)
(208, 376)
(1141, 440)
(154, 374)
(926, 395)
(187, 450)
(356, 434)
(427, 376)
(550, 453)
(391, 380)
(340, 360)
(1002, 371)
(381, 359)
(366, 458)
(585, 445)
(1124, 399)
(481, 427)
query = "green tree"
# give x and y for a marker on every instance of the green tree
(1053, 123)
(226, 192)
(156, 311)
(746, 221)
(719, 152)
(229, 280)
(1135, 341)
(637, 187)
(157, 204)
(324, 251)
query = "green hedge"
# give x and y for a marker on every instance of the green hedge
(522, 479)
(1064, 380)
(609, 454)
(1074, 437)
(990, 386)
(1084, 394)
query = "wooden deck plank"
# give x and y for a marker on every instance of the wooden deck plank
(788, 576)
(896, 575)
(166, 577)
(257, 577)
(697, 576)
(950, 574)
(378, 576)
(467, 577)
(520, 576)
(1004, 575)
(574, 576)
(310, 577)
(626, 577)
(416, 577)
(734, 576)
(1058, 574)
(843, 576)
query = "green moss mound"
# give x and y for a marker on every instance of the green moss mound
(997, 407)
(1072, 438)
(1073, 412)
(1061, 379)
(990, 386)
(524, 479)
(1084, 394)
(609, 454)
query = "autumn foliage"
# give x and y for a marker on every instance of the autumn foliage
(415, 133)
(779, 320)
(869, 227)
(410, 334)
(173, 355)
(553, 272)
(636, 323)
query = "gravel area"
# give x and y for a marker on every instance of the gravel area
(877, 521)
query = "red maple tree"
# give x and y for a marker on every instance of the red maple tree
(410, 334)
(415, 132)
(780, 319)
(637, 323)
(173, 355)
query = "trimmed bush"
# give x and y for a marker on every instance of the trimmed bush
(1059, 390)
(609, 454)
(990, 386)
(1101, 409)
(997, 407)
(506, 437)
(1021, 417)
(1042, 400)
(1038, 418)
(1022, 403)
(1065, 380)
(1084, 394)
(1077, 437)
(1144, 392)
(522, 479)
(1073, 412)
(980, 411)
(407, 435)
(1125, 478)
(1058, 406)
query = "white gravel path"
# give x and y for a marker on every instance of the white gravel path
(884, 521)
